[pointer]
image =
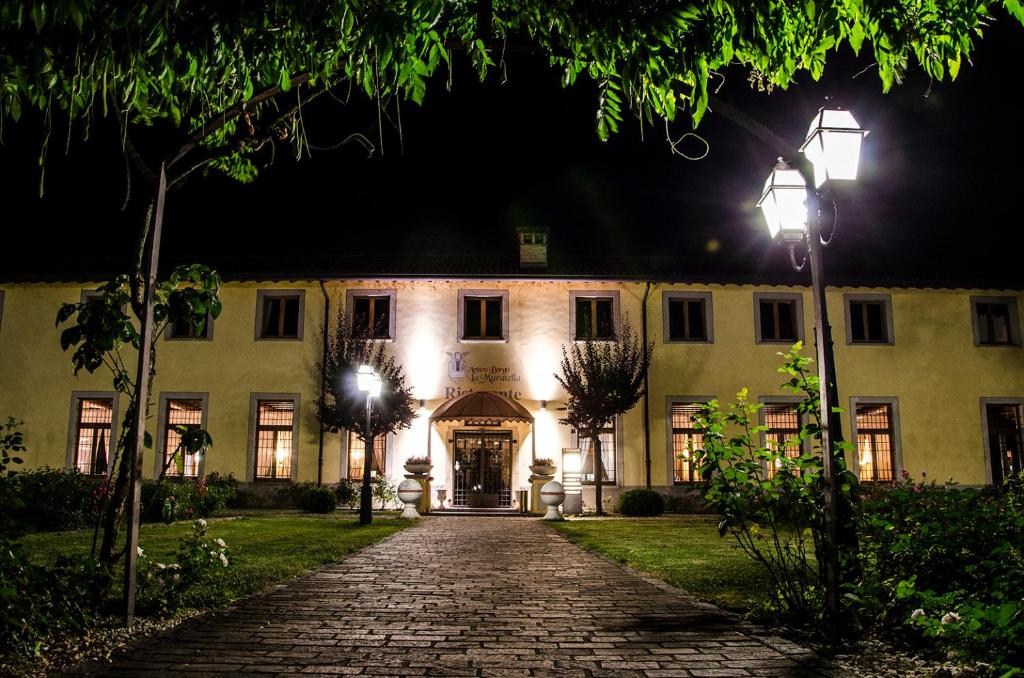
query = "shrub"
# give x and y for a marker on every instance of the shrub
(220, 492)
(384, 490)
(690, 502)
(317, 499)
(640, 503)
(169, 500)
(166, 587)
(347, 492)
(54, 499)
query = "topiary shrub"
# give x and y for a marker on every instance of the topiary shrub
(316, 499)
(640, 503)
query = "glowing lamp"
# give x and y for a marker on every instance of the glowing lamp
(572, 461)
(833, 145)
(784, 203)
(368, 381)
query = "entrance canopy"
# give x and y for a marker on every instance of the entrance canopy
(481, 406)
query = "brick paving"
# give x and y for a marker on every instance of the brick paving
(471, 597)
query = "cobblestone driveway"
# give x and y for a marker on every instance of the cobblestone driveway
(471, 597)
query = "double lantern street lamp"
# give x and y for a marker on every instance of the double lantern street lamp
(832, 149)
(367, 381)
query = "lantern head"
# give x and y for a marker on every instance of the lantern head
(784, 203)
(833, 145)
(368, 381)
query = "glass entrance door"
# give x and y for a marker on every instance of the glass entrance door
(482, 469)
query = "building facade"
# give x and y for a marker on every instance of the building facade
(932, 380)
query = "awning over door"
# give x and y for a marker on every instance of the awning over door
(481, 406)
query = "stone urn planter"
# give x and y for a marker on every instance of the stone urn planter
(543, 467)
(552, 495)
(409, 493)
(418, 466)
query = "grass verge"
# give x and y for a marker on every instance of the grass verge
(684, 551)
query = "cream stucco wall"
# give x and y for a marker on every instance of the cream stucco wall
(933, 369)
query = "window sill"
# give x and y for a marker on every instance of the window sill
(687, 341)
(496, 340)
(278, 338)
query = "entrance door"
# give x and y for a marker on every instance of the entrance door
(482, 469)
(1004, 440)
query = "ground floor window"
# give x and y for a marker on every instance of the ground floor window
(876, 460)
(607, 437)
(178, 414)
(275, 446)
(93, 427)
(356, 452)
(1005, 423)
(782, 436)
(685, 440)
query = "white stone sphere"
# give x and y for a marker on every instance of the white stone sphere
(552, 493)
(409, 491)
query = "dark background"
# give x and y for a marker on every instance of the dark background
(936, 204)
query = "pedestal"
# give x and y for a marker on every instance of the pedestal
(537, 482)
(423, 506)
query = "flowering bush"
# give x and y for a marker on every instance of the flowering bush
(164, 587)
(944, 567)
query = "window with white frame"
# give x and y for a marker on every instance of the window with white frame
(179, 414)
(585, 445)
(357, 452)
(274, 439)
(93, 434)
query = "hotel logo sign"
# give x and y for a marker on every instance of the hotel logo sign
(457, 364)
(480, 375)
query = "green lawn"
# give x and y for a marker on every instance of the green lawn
(263, 549)
(684, 551)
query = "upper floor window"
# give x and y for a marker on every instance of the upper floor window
(595, 315)
(372, 315)
(876, 447)
(93, 433)
(483, 315)
(779, 318)
(279, 314)
(783, 434)
(178, 413)
(183, 329)
(688, 317)
(868, 319)
(686, 439)
(275, 438)
(995, 321)
(357, 452)
(585, 445)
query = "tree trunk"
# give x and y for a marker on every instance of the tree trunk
(595, 446)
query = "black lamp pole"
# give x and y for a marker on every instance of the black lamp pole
(366, 495)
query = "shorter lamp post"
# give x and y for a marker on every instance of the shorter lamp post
(369, 383)
(832, 148)
(572, 480)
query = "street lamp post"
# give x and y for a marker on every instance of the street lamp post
(832, 148)
(369, 383)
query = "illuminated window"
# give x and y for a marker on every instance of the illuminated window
(685, 440)
(93, 433)
(1004, 427)
(778, 318)
(372, 315)
(483, 315)
(275, 442)
(607, 437)
(782, 436)
(995, 321)
(876, 460)
(356, 450)
(279, 314)
(688, 316)
(177, 413)
(868, 319)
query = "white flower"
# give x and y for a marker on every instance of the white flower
(201, 522)
(213, 554)
(223, 560)
(161, 566)
(142, 554)
(917, 613)
(176, 578)
(220, 543)
(950, 617)
(174, 566)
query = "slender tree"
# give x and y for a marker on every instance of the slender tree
(603, 379)
(344, 405)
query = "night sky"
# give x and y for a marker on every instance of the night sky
(937, 201)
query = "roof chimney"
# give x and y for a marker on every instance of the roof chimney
(533, 247)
